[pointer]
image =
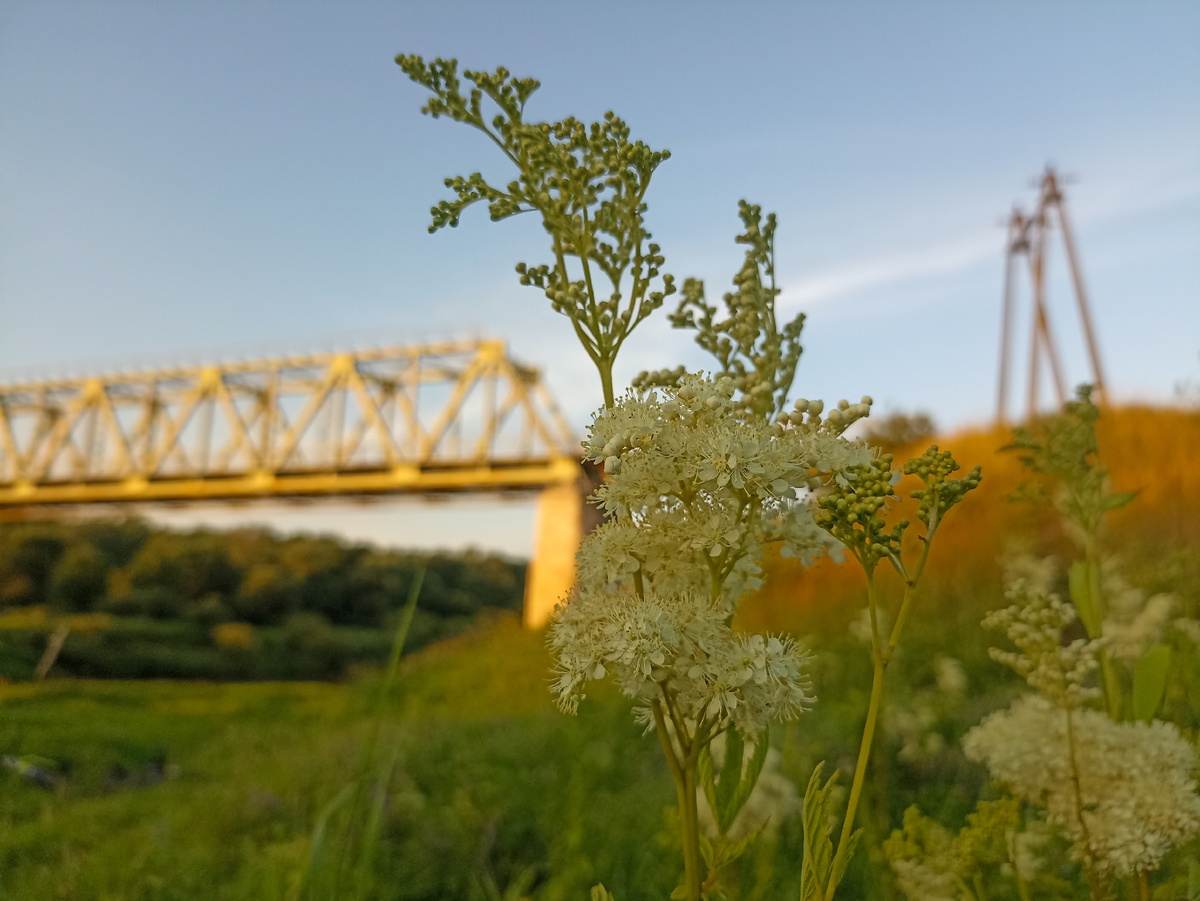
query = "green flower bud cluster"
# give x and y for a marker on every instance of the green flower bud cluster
(751, 348)
(588, 183)
(658, 378)
(839, 419)
(940, 493)
(1068, 451)
(852, 511)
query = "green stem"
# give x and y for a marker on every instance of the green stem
(1095, 885)
(1108, 675)
(604, 367)
(693, 869)
(860, 771)
(683, 771)
(882, 657)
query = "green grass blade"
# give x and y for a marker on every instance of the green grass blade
(318, 876)
(356, 790)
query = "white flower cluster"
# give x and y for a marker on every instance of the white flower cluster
(1134, 622)
(922, 858)
(681, 644)
(1136, 798)
(1034, 623)
(694, 493)
(913, 719)
(922, 881)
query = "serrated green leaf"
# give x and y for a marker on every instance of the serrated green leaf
(835, 878)
(1081, 595)
(1150, 681)
(600, 893)
(1117, 501)
(749, 779)
(727, 782)
(680, 893)
(818, 849)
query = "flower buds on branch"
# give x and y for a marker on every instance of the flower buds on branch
(587, 182)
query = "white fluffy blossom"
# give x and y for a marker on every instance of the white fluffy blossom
(1134, 622)
(1034, 622)
(950, 676)
(920, 881)
(694, 494)
(1135, 799)
(681, 644)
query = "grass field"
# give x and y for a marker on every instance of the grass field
(192, 790)
(496, 793)
(493, 786)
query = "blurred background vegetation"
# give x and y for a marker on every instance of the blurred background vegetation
(143, 602)
(152, 787)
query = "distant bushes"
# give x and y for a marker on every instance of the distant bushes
(306, 647)
(307, 607)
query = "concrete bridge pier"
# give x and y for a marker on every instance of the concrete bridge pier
(563, 518)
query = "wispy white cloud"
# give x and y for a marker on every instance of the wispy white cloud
(892, 268)
(954, 255)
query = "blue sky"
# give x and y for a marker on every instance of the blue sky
(199, 181)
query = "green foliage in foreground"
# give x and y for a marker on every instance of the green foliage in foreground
(493, 795)
(174, 791)
(489, 789)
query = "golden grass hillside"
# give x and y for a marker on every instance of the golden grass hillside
(1154, 451)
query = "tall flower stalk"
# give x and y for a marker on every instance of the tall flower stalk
(851, 511)
(703, 473)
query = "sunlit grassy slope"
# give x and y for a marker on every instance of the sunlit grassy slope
(1153, 451)
(493, 784)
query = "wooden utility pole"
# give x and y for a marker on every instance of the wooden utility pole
(1029, 236)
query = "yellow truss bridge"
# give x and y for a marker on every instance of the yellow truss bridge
(428, 419)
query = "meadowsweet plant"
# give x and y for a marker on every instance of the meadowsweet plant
(694, 494)
(932, 865)
(703, 473)
(1067, 451)
(749, 345)
(1082, 750)
(1121, 791)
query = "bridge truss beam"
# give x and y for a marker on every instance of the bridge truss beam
(432, 418)
(454, 417)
